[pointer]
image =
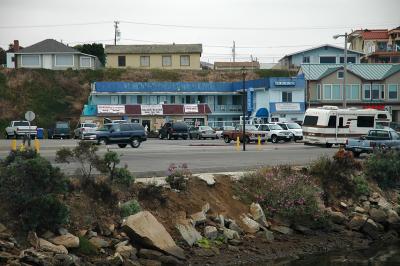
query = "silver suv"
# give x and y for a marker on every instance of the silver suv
(292, 127)
(275, 133)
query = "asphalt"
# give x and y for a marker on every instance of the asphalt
(154, 156)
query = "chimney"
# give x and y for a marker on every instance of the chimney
(16, 46)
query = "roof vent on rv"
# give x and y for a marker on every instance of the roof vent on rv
(330, 107)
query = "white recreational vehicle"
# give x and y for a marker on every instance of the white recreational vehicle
(329, 125)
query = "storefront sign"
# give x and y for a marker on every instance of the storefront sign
(285, 83)
(287, 107)
(151, 109)
(111, 109)
(191, 108)
(250, 99)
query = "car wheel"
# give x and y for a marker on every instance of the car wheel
(247, 140)
(7, 136)
(190, 137)
(160, 136)
(135, 143)
(81, 136)
(184, 137)
(198, 137)
(102, 141)
(227, 139)
(328, 145)
(169, 136)
(122, 145)
(274, 139)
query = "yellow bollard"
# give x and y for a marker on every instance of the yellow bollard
(14, 145)
(22, 147)
(259, 143)
(37, 145)
(237, 144)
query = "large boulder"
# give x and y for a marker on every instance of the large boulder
(371, 229)
(50, 247)
(337, 217)
(393, 217)
(68, 240)
(144, 228)
(378, 215)
(188, 232)
(198, 218)
(250, 226)
(258, 214)
(210, 232)
(231, 234)
(282, 229)
(357, 222)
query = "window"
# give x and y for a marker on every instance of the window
(30, 60)
(350, 59)
(286, 96)
(310, 120)
(377, 92)
(393, 91)
(332, 92)
(306, 59)
(121, 60)
(236, 100)
(172, 99)
(125, 127)
(85, 61)
(340, 74)
(319, 92)
(327, 92)
(185, 60)
(341, 122)
(139, 99)
(327, 60)
(332, 121)
(123, 99)
(366, 92)
(353, 92)
(166, 61)
(220, 100)
(382, 46)
(145, 61)
(64, 60)
(365, 121)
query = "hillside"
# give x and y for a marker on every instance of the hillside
(61, 95)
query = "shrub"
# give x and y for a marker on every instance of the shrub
(130, 208)
(30, 184)
(361, 186)
(108, 164)
(177, 176)
(384, 167)
(152, 191)
(86, 247)
(123, 176)
(99, 190)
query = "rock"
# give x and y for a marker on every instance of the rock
(32, 257)
(82, 232)
(129, 262)
(48, 246)
(384, 204)
(6, 245)
(269, 235)
(357, 222)
(208, 178)
(126, 251)
(68, 240)
(375, 195)
(371, 229)
(198, 218)
(235, 242)
(359, 210)
(5, 257)
(231, 234)
(169, 261)
(378, 215)
(146, 262)
(210, 232)
(205, 208)
(144, 228)
(48, 234)
(303, 229)
(99, 242)
(233, 226)
(281, 229)
(116, 260)
(258, 214)
(363, 198)
(91, 234)
(65, 260)
(337, 217)
(188, 232)
(123, 243)
(62, 231)
(33, 239)
(221, 220)
(366, 205)
(393, 217)
(343, 205)
(250, 226)
(2, 228)
(149, 254)
(233, 248)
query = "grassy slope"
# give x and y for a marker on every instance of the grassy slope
(58, 95)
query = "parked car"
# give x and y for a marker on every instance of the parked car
(275, 133)
(59, 130)
(194, 133)
(18, 129)
(292, 127)
(221, 129)
(85, 131)
(376, 139)
(121, 134)
(174, 130)
(252, 134)
(207, 132)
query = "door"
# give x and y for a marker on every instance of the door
(114, 99)
(47, 61)
(146, 125)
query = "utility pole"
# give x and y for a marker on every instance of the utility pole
(116, 31)
(234, 51)
(244, 105)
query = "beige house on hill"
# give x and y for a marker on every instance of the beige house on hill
(171, 56)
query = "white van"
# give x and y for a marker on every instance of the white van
(329, 125)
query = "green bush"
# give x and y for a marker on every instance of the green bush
(361, 185)
(29, 185)
(130, 208)
(177, 176)
(123, 176)
(86, 247)
(384, 167)
(108, 165)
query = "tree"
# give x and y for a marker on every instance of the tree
(95, 49)
(3, 60)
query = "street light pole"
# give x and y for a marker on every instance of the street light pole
(344, 66)
(244, 108)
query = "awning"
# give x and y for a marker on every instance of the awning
(262, 112)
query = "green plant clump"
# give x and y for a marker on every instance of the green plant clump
(384, 167)
(178, 176)
(361, 185)
(130, 208)
(86, 248)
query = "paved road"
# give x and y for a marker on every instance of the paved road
(154, 156)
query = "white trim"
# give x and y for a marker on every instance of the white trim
(73, 61)
(337, 74)
(85, 57)
(40, 61)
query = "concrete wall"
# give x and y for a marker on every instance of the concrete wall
(133, 61)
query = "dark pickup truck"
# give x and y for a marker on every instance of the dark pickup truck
(60, 130)
(174, 130)
(376, 139)
(121, 134)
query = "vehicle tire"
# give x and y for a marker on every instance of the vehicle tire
(328, 145)
(135, 143)
(75, 136)
(274, 139)
(122, 145)
(102, 141)
(176, 137)
(184, 137)
(247, 140)
(169, 136)
(160, 136)
(199, 137)
(190, 136)
(227, 139)
(7, 136)
(81, 136)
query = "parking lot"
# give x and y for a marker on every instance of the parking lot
(154, 156)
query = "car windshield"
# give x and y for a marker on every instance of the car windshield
(21, 124)
(89, 125)
(293, 126)
(205, 128)
(62, 125)
(274, 127)
(105, 128)
(229, 128)
(248, 127)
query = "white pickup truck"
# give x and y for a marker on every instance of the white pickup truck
(19, 129)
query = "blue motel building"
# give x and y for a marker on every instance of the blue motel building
(206, 103)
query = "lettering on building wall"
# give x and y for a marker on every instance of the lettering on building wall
(287, 106)
(285, 83)
(151, 109)
(111, 109)
(191, 108)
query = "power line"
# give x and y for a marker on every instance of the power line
(54, 25)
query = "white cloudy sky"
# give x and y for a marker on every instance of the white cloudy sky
(266, 29)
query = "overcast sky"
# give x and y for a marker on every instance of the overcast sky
(266, 29)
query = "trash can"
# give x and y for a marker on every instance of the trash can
(39, 133)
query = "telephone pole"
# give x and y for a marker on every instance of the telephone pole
(116, 31)
(233, 51)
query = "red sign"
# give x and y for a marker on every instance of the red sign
(374, 106)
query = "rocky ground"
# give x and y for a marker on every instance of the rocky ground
(206, 224)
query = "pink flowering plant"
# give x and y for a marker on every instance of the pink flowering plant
(177, 176)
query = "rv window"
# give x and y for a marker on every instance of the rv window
(382, 116)
(332, 121)
(365, 121)
(341, 122)
(310, 120)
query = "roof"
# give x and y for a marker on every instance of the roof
(48, 46)
(364, 71)
(237, 64)
(154, 49)
(375, 34)
(321, 46)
